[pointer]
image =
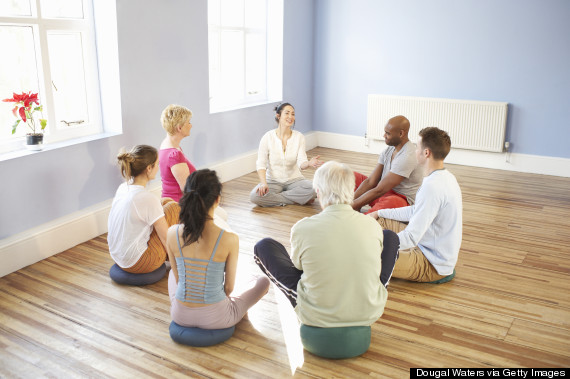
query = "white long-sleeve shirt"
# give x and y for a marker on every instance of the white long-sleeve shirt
(281, 166)
(435, 221)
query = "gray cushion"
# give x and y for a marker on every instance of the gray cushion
(122, 277)
(199, 337)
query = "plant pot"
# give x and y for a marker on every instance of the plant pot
(34, 142)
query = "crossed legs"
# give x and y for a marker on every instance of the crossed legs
(411, 264)
(297, 191)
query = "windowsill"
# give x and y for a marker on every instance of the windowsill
(242, 106)
(56, 145)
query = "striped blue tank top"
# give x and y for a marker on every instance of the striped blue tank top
(199, 280)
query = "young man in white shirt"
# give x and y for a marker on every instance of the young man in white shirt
(430, 242)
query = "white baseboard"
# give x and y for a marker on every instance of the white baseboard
(502, 161)
(311, 140)
(41, 242)
(45, 240)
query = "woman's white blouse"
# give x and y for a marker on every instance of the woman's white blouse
(282, 166)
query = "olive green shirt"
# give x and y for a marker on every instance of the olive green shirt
(338, 251)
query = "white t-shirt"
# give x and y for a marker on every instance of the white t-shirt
(281, 166)
(133, 212)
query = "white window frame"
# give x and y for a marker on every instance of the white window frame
(40, 29)
(273, 34)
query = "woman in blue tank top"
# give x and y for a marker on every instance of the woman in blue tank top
(204, 261)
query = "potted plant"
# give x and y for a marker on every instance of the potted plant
(24, 110)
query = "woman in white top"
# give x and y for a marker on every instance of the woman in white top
(139, 221)
(280, 159)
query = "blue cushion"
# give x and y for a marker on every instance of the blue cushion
(199, 337)
(122, 277)
(336, 343)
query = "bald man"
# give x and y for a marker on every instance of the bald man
(397, 177)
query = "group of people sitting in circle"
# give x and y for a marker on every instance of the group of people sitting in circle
(332, 276)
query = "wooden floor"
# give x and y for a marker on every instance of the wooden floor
(509, 305)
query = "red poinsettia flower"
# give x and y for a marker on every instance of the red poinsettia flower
(23, 113)
(25, 98)
(31, 99)
(24, 110)
(15, 99)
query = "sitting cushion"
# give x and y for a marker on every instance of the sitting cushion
(336, 343)
(445, 279)
(122, 277)
(199, 337)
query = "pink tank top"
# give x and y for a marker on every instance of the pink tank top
(168, 158)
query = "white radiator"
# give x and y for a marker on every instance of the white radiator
(474, 125)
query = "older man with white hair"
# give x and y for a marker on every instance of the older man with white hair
(332, 277)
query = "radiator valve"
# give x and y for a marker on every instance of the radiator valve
(507, 145)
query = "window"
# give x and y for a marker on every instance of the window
(245, 44)
(48, 47)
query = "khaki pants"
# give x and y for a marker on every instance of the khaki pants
(411, 264)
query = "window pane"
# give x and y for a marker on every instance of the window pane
(68, 79)
(62, 8)
(232, 13)
(214, 62)
(255, 14)
(17, 74)
(15, 8)
(255, 64)
(232, 62)
(213, 12)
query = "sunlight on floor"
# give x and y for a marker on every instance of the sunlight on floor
(287, 316)
(290, 326)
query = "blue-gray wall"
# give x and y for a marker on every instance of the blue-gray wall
(163, 54)
(336, 52)
(516, 51)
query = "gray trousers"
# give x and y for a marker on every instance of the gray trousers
(296, 191)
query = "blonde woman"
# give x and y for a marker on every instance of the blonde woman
(138, 220)
(174, 166)
(280, 159)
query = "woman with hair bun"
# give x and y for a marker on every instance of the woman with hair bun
(280, 159)
(204, 261)
(138, 221)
